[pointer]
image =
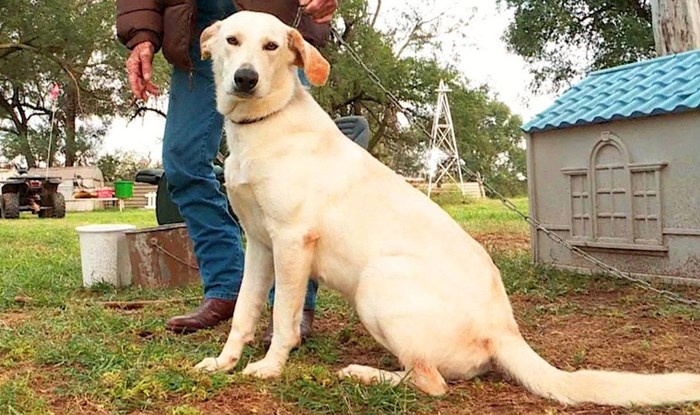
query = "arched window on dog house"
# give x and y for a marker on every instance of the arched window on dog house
(614, 202)
(610, 184)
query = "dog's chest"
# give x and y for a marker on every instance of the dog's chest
(248, 194)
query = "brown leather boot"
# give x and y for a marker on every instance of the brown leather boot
(209, 314)
(307, 321)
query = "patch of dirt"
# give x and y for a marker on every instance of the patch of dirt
(503, 241)
(595, 338)
(7, 373)
(76, 405)
(238, 400)
(12, 319)
(245, 400)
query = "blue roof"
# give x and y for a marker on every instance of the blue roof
(665, 85)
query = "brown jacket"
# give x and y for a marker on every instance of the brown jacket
(170, 24)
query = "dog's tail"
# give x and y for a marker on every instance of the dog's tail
(516, 357)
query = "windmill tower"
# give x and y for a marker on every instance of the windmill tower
(444, 161)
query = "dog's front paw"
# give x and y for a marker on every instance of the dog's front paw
(216, 364)
(263, 369)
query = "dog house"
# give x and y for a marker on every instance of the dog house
(614, 168)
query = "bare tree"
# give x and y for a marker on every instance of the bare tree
(676, 25)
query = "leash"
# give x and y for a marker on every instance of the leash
(297, 18)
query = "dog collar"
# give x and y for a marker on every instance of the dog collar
(246, 121)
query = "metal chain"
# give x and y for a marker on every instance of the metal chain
(608, 269)
(297, 18)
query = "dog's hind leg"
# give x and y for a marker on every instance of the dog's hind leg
(414, 331)
(425, 378)
(370, 376)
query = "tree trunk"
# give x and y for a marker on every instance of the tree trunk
(71, 114)
(20, 121)
(379, 134)
(26, 147)
(676, 25)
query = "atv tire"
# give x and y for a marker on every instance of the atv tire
(57, 203)
(10, 205)
(59, 206)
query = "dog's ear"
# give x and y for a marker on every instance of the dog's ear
(315, 66)
(206, 37)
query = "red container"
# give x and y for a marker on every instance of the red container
(105, 193)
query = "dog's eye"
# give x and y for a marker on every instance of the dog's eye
(233, 40)
(270, 46)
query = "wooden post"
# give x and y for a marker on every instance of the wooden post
(676, 25)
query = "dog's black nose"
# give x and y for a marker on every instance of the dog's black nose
(245, 79)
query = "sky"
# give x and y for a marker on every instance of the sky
(484, 59)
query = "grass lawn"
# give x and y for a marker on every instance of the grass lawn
(64, 353)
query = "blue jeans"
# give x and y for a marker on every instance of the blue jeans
(193, 132)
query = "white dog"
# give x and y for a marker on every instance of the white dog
(311, 202)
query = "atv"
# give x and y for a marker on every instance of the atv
(36, 194)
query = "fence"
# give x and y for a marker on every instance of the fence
(472, 189)
(139, 200)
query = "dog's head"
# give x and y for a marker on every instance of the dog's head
(255, 57)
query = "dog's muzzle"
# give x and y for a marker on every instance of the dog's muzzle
(244, 81)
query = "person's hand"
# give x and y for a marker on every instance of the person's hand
(320, 10)
(139, 66)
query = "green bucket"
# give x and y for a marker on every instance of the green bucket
(123, 189)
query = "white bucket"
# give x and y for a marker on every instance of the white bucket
(104, 254)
